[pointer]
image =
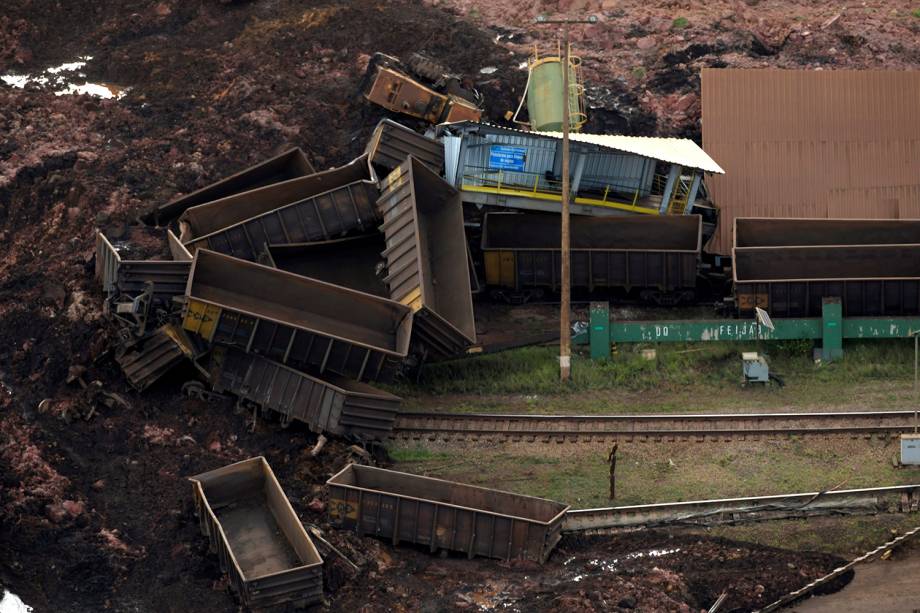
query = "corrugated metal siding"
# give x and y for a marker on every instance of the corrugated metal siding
(541, 156)
(798, 143)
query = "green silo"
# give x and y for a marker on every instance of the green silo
(544, 95)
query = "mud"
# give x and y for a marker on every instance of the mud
(94, 514)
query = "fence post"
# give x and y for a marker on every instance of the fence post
(599, 331)
(832, 329)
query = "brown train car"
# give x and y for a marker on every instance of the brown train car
(295, 320)
(659, 254)
(444, 514)
(330, 404)
(427, 260)
(283, 167)
(259, 541)
(788, 266)
(318, 207)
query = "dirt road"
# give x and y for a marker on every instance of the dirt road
(892, 586)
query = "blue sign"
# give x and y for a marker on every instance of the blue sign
(504, 157)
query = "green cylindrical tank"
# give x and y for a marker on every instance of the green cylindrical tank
(544, 96)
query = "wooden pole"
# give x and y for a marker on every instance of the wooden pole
(565, 333)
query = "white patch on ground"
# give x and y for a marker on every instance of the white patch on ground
(11, 603)
(58, 77)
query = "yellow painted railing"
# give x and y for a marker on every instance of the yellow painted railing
(549, 191)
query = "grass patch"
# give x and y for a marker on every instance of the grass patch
(680, 23)
(915, 13)
(681, 376)
(416, 454)
(666, 472)
(638, 72)
(843, 536)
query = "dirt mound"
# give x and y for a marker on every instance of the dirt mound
(641, 571)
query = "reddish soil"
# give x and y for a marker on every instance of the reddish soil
(94, 514)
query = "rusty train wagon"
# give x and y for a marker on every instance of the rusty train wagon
(788, 266)
(392, 142)
(318, 207)
(330, 404)
(295, 320)
(427, 260)
(358, 261)
(164, 278)
(261, 544)
(444, 514)
(283, 167)
(660, 254)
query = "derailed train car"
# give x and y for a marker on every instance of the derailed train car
(426, 255)
(788, 266)
(444, 514)
(295, 320)
(291, 164)
(259, 541)
(317, 207)
(657, 255)
(330, 404)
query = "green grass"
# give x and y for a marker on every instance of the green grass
(664, 472)
(416, 454)
(843, 536)
(683, 377)
(680, 23)
(916, 13)
(638, 72)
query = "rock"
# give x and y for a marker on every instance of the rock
(316, 505)
(686, 102)
(215, 447)
(74, 508)
(98, 485)
(629, 602)
(646, 42)
(56, 513)
(162, 9)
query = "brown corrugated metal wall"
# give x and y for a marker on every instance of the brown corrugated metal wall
(805, 143)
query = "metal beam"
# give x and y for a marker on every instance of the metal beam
(694, 189)
(673, 176)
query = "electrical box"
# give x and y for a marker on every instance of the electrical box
(755, 368)
(910, 449)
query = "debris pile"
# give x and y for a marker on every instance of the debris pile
(387, 285)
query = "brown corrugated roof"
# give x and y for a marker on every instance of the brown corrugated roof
(804, 143)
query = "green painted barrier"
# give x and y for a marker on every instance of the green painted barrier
(830, 329)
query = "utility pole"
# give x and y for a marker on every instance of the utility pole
(565, 307)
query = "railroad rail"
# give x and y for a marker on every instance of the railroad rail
(600, 428)
(865, 501)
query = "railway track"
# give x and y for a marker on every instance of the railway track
(863, 501)
(599, 428)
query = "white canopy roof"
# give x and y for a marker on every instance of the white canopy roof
(681, 151)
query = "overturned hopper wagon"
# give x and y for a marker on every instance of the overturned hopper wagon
(295, 320)
(659, 255)
(147, 361)
(288, 165)
(426, 254)
(788, 266)
(392, 142)
(358, 263)
(444, 514)
(322, 206)
(260, 543)
(330, 404)
(166, 278)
